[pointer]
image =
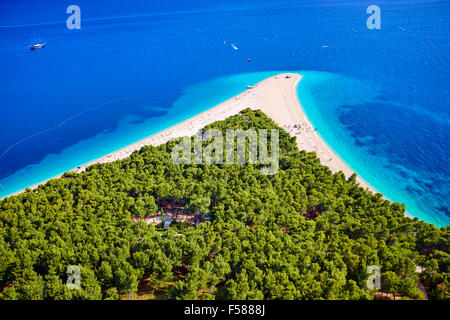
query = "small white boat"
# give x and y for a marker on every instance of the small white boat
(37, 46)
(250, 87)
(234, 47)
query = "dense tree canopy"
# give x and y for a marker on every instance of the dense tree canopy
(303, 233)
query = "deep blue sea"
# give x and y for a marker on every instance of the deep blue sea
(378, 97)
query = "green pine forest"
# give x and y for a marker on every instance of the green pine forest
(303, 233)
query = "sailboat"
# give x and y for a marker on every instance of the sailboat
(37, 46)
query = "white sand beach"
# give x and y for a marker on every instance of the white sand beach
(275, 96)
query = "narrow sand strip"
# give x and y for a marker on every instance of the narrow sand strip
(275, 96)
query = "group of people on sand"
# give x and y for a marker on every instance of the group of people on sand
(299, 128)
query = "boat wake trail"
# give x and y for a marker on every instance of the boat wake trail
(65, 121)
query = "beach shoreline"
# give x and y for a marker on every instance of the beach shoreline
(276, 96)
